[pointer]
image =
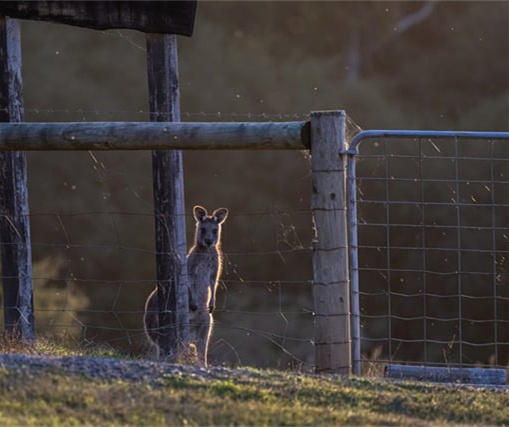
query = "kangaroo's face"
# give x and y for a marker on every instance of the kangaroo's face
(208, 227)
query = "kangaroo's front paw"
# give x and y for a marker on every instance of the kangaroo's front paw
(211, 308)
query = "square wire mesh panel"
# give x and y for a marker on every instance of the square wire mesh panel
(433, 251)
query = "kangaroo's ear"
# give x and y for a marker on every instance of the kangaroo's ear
(219, 215)
(199, 213)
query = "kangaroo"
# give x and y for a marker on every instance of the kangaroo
(204, 266)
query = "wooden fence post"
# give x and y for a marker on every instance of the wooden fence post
(168, 183)
(330, 248)
(14, 221)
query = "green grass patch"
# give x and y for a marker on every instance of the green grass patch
(248, 397)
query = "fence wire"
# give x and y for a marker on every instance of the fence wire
(94, 264)
(433, 251)
(433, 267)
(86, 288)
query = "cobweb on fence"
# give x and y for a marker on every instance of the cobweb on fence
(352, 128)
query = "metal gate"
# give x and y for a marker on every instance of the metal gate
(429, 248)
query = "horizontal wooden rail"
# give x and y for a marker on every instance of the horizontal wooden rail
(154, 136)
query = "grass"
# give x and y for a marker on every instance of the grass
(246, 397)
(57, 347)
(266, 398)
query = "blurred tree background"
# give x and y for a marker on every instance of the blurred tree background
(430, 65)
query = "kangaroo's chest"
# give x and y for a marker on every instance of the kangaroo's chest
(201, 268)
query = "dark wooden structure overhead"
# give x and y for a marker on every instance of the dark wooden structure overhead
(166, 17)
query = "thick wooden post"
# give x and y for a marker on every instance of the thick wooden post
(330, 248)
(168, 178)
(14, 221)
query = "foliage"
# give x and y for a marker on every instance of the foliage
(57, 301)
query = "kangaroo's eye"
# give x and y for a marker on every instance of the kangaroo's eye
(203, 231)
(214, 232)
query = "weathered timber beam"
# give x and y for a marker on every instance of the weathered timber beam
(15, 246)
(331, 291)
(168, 17)
(169, 205)
(154, 136)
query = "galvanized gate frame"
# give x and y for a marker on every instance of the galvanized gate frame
(352, 152)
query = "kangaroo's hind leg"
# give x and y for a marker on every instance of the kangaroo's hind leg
(151, 324)
(203, 338)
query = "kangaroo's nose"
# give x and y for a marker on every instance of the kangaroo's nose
(209, 242)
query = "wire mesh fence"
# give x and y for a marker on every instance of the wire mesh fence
(92, 226)
(433, 251)
(433, 248)
(91, 287)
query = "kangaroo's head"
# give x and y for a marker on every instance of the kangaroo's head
(208, 227)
